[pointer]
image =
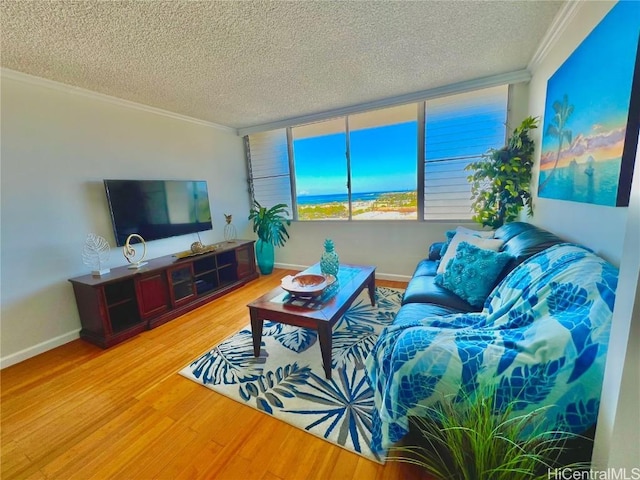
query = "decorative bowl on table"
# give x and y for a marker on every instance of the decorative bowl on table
(307, 284)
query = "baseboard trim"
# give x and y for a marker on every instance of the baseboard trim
(74, 335)
(382, 276)
(38, 349)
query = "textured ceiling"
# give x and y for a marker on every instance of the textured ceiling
(245, 63)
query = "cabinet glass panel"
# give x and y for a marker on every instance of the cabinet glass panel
(182, 290)
(181, 275)
(245, 261)
(182, 283)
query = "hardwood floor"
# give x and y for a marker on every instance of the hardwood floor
(80, 412)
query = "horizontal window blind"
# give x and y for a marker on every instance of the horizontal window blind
(268, 165)
(459, 129)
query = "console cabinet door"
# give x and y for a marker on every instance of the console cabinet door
(246, 262)
(153, 294)
(181, 281)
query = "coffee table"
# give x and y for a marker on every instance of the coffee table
(321, 316)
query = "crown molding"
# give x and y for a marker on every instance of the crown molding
(562, 19)
(63, 87)
(461, 87)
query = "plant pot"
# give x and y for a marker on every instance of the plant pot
(265, 255)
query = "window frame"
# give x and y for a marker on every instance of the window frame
(421, 160)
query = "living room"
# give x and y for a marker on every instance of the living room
(59, 142)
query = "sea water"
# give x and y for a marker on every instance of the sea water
(340, 198)
(574, 183)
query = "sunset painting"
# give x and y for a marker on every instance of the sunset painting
(586, 114)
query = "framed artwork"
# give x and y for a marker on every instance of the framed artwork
(592, 114)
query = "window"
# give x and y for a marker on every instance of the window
(383, 149)
(358, 167)
(268, 162)
(458, 130)
(321, 170)
(371, 165)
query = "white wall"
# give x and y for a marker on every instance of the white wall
(394, 247)
(600, 228)
(614, 234)
(618, 434)
(57, 147)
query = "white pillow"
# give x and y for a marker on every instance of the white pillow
(477, 233)
(486, 243)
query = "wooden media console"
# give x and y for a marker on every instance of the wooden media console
(125, 302)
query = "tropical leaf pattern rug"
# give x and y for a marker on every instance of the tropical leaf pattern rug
(288, 381)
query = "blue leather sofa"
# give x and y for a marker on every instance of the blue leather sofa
(423, 297)
(540, 338)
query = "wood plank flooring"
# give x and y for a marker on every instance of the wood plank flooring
(80, 412)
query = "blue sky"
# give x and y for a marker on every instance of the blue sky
(383, 159)
(376, 166)
(597, 76)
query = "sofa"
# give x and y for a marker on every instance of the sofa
(538, 339)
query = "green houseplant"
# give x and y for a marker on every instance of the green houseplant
(270, 226)
(471, 439)
(501, 181)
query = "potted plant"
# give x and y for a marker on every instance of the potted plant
(471, 438)
(269, 225)
(501, 182)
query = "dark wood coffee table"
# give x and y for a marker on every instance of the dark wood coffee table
(352, 279)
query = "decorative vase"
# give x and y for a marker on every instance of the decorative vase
(230, 233)
(265, 255)
(329, 262)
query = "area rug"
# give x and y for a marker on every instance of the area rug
(287, 381)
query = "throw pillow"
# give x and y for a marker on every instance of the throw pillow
(472, 273)
(450, 234)
(486, 243)
(477, 233)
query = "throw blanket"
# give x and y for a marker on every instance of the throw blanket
(540, 340)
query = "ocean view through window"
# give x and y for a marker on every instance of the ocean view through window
(361, 167)
(404, 162)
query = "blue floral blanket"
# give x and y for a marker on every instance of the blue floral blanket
(540, 340)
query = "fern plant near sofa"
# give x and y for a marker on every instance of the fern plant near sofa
(469, 438)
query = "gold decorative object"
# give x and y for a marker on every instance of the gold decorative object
(230, 234)
(197, 247)
(130, 253)
(96, 254)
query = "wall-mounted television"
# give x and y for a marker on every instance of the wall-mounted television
(156, 209)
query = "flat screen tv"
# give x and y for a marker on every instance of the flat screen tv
(156, 209)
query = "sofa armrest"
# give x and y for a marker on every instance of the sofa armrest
(434, 250)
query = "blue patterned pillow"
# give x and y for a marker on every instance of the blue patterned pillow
(471, 274)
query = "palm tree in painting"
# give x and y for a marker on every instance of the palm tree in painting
(558, 130)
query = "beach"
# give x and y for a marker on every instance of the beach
(370, 206)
